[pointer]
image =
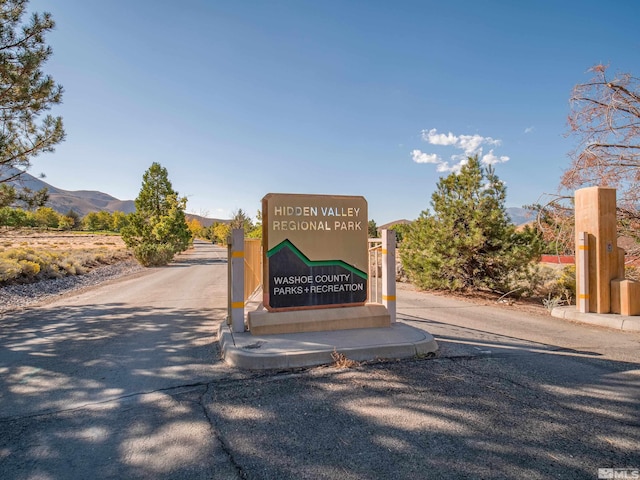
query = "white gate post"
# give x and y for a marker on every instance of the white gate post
(389, 272)
(582, 272)
(237, 280)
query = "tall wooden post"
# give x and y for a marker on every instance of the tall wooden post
(595, 209)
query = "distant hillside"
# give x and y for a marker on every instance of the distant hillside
(520, 216)
(205, 222)
(81, 201)
(84, 201)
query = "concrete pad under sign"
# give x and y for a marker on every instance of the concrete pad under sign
(263, 322)
(308, 349)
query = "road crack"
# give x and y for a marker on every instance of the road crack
(216, 431)
(184, 388)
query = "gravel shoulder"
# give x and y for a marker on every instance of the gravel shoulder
(17, 297)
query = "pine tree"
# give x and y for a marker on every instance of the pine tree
(468, 240)
(26, 93)
(158, 229)
(239, 219)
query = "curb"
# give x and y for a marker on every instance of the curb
(608, 320)
(285, 351)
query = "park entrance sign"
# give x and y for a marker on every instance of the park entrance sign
(315, 251)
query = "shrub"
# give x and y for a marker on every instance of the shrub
(26, 265)
(153, 254)
(9, 269)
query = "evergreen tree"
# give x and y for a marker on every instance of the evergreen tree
(26, 93)
(468, 240)
(239, 219)
(158, 229)
(372, 229)
(32, 200)
(256, 228)
(73, 221)
(8, 195)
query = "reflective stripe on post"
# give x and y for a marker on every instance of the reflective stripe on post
(237, 280)
(582, 272)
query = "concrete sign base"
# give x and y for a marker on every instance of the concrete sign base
(263, 322)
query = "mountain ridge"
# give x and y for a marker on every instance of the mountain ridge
(86, 201)
(83, 202)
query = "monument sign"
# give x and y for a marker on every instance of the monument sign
(315, 251)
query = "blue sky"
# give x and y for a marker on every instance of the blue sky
(239, 98)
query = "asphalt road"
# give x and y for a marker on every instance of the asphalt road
(124, 381)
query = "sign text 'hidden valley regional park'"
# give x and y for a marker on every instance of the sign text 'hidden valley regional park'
(315, 251)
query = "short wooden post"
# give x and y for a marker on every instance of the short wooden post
(237, 280)
(582, 272)
(389, 272)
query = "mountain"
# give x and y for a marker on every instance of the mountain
(85, 201)
(82, 201)
(204, 221)
(520, 216)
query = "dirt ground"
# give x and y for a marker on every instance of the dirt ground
(530, 305)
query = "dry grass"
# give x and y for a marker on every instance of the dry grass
(31, 255)
(58, 241)
(341, 361)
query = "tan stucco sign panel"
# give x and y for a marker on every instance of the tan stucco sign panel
(315, 250)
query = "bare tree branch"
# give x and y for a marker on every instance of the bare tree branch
(604, 118)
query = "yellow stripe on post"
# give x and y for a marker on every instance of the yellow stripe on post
(237, 305)
(583, 247)
(239, 254)
(583, 297)
(389, 298)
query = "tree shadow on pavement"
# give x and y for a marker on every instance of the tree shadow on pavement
(536, 415)
(86, 397)
(144, 395)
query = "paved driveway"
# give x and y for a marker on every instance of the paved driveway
(124, 381)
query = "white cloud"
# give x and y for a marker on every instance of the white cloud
(529, 129)
(491, 159)
(435, 138)
(470, 144)
(420, 157)
(444, 167)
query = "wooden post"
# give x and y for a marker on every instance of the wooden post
(237, 280)
(389, 272)
(595, 209)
